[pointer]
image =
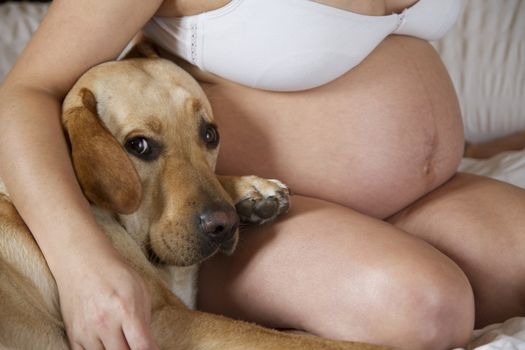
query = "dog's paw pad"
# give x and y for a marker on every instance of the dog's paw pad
(266, 201)
(245, 207)
(266, 208)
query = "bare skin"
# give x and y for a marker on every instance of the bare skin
(380, 98)
(69, 42)
(384, 140)
(512, 142)
(365, 7)
(332, 269)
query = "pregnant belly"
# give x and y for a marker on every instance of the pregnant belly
(375, 140)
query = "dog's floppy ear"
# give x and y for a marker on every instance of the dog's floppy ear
(105, 173)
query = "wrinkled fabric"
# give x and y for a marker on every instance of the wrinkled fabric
(18, 21)
(485, 55)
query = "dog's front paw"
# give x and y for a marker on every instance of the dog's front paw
(266, 201)
(258, 200)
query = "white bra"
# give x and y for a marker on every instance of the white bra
(290, 45)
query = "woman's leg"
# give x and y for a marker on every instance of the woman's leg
(480, 224)
(331, 271)
(375, 140)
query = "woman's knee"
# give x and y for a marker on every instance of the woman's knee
(472, 220)
(425, 305)
(334, 272)
(440, 313)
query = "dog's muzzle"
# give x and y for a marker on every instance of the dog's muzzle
(219, 224)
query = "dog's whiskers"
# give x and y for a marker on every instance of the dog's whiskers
(153, 257)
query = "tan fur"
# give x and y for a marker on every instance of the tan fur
(106, 174)
(143, 206)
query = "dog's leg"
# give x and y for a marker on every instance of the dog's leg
(29, 315)
(185, 329)
(25, 322)
(257, 200)
(177, 327)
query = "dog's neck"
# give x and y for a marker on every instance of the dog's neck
(182, 281)
(136, 226)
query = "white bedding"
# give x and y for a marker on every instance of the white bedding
(485, 54)
(17, 23)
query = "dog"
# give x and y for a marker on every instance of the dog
(144, 146)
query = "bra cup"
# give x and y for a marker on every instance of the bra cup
(429, 19)
(297, 70)
(284, 54)
(302, 45)
(288, 74)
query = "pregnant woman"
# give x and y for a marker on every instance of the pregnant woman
(346, 102)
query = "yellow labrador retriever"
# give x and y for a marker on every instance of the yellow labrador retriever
(144, 148)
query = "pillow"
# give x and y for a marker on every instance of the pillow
(17, 23)
(485, 55)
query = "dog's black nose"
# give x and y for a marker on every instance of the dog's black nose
(219, 224)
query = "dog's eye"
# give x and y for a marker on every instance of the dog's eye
(139, 145)
(143, 148)
(210, 135)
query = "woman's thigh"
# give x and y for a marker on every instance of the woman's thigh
(480, 224)
(331, 271)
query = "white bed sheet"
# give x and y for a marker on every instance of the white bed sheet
(485, 55)
(19, 20)
(17, 23)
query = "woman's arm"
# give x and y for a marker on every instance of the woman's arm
(103, 301)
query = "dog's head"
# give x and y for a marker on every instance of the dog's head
(144, 146)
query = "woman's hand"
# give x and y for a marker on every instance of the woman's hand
(105, 304)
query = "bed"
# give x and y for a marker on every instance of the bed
(485, 55)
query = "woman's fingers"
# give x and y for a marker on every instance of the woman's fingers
(139, 335)
(124, 331)
(75, 346)
(87, 344)
(114, 339)
(113, 313)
